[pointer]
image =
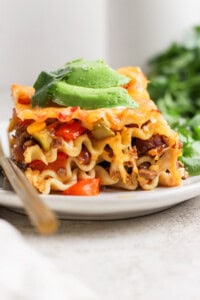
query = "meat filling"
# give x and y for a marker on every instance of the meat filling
(156, 141)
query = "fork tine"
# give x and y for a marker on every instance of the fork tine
(4, 182)
(1, 181)
(1, 178)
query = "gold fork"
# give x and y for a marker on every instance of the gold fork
(44, 219)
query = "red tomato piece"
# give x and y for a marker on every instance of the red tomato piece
(24, 123)
(24, 99)
(37, 165)
(70, 131)
(59, 163)
(84, 187)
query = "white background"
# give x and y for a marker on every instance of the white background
(140, 28)
(44, 34)
(40, 35)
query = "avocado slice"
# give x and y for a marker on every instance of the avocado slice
(87, 84)
(93, 74)
(66, 94)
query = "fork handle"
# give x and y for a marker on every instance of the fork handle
(44, 219)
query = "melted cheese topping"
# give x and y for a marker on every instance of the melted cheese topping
(114, 118)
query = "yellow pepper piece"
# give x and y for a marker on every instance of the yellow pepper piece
(36, 127)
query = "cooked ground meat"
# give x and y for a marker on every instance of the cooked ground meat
(84, 156)
(144, 165)
(22, 140)
(57, 142)
(148, 174)
(17, 153)
(144, 146)
(21, 134)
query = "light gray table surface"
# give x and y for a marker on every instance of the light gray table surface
(152, 257)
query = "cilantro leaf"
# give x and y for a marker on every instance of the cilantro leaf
(44, 83)
(175, 86)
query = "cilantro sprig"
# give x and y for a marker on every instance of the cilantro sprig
(44, 83)
(175, 86)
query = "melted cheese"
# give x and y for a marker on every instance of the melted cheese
(146, 117)
(127, 123)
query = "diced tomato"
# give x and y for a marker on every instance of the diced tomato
(25, 122)
(37, 165)
(22, 94)
(59, 163)
(24, 98)
(70, 131)
(74, 108)
(84, 187)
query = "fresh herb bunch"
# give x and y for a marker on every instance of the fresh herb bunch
(175, 87)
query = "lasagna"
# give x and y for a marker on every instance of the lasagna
(73, 150)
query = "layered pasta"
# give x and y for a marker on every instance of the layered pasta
(120, 147)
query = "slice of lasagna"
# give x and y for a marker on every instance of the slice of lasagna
(78, 146)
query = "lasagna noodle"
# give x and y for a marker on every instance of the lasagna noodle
(115, 160)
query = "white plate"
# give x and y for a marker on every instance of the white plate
(110, 204)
